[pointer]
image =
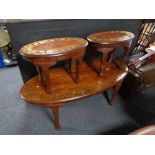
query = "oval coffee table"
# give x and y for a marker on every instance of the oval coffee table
(45, 53)
(65, 89)
(106, 42)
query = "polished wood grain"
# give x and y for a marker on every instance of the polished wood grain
(53, 47)
(106, 43)
(45, 53)
(65, 90)
(108, 37)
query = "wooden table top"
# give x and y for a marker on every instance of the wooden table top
(64, 89)
(53, 47)
(109, 37)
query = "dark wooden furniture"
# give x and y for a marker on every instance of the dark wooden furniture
(106, 42)
(24, 32)
(65, 89)
(45, 53)
(140, 78)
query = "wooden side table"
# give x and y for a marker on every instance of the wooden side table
(45, 53)
(106, 42)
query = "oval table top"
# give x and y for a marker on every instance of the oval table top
(53, 47)
(109, 37)
(64, 89)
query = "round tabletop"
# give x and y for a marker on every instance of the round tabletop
(110, 37)
(53, 47)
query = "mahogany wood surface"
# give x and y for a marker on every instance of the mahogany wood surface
(110, 37)
(45, 53)
(106, 42)
(65, 89)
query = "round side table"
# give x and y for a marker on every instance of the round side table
(106, 42)
(45, 53)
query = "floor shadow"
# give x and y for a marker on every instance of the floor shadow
(121, 130)
(141, 107)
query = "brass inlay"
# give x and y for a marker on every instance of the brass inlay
(53, 46)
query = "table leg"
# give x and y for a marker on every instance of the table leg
(70, 66)
(115, 92)
(111, 56)
(55, 111)
(45, 76)
(103, 60)
(77, 70)
(39, 73)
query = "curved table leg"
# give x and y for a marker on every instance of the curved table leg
(70, 66)
(103, 60)
(45, 76)
(115, 92)
(111, 55)
(78, 64)
(55, 111)
(77, 71)
(39, 73)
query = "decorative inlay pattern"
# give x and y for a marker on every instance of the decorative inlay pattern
(53, 46)
(110, 36)
(64, 89)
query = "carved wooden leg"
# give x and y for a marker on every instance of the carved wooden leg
(70, 66)
(39, 73)
(77, 70)
(55, 111)
(111, 56)
(115, 92)
(103, 60)
(46, 78)
(42, 76)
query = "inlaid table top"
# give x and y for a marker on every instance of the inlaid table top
(64, 89)
(53, 47)
(110, 37)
